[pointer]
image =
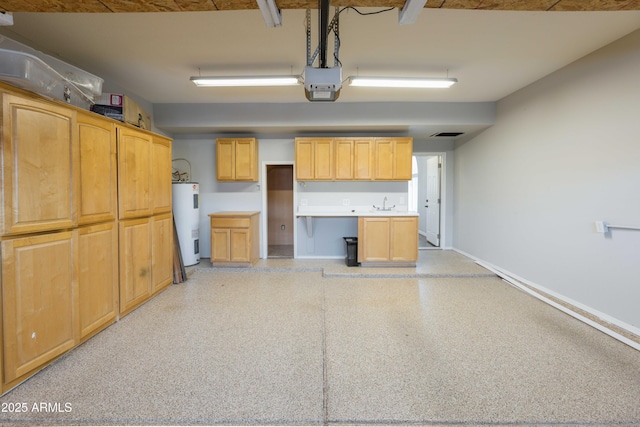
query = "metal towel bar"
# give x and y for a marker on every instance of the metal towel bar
(625, 227)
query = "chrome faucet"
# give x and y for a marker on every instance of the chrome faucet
(384, 206)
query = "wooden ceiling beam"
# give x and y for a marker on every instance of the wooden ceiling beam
(105, 6)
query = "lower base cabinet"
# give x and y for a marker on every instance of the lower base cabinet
(39, 301)
(235, 238)
(388, 241)
(98, 278)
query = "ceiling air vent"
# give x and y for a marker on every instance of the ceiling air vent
(447, 134)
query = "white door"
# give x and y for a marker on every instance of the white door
(432, 202)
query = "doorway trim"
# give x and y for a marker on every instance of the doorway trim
(264, 224)
(443, 196)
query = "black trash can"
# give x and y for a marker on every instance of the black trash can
(352, 251)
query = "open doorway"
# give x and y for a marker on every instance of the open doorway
(426, 188)
(279, 211)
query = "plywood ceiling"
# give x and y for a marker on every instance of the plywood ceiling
(105, 6)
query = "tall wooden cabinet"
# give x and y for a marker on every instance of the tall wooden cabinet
(98, 232)
(144, 191)
(63, 241)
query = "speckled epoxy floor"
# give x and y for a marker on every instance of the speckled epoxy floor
(290, 343)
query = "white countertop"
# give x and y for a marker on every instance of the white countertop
(348, 211)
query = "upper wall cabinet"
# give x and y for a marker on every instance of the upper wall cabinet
(237, 159)
(354, 158)
(393, 159)
(39, 162)
(98, 170)
(315, 159)
(362, 158)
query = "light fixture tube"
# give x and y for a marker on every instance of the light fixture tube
(402, 82)
(270, 13)
(235, 81)
(410, 11)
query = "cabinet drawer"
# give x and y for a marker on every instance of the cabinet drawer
(230, 222)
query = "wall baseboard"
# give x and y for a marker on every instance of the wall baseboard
(601, 321)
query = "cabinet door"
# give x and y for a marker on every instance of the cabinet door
(393, 159)
(246, 160)
(384, 163)
(220, 245)
(344, 159)
(98, 277)
(403, 152)
(240, 245)
(161, 175)
(304, 159)
(363, 159)
(162, 251)
(135, 263)
(134, 173)
(225, 159)
(39, 300)
(98, 171)
(373, 242)
(323, 159)
(39, 163)
(403, 239)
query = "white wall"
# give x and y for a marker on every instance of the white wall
(564, 152)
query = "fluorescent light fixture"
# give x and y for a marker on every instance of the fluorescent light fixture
(270, 13)
(402, 82)
(235, 81)
(410, 11)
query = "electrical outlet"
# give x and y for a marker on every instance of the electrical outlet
(303, 202)
(282, 227)
(346, 202)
